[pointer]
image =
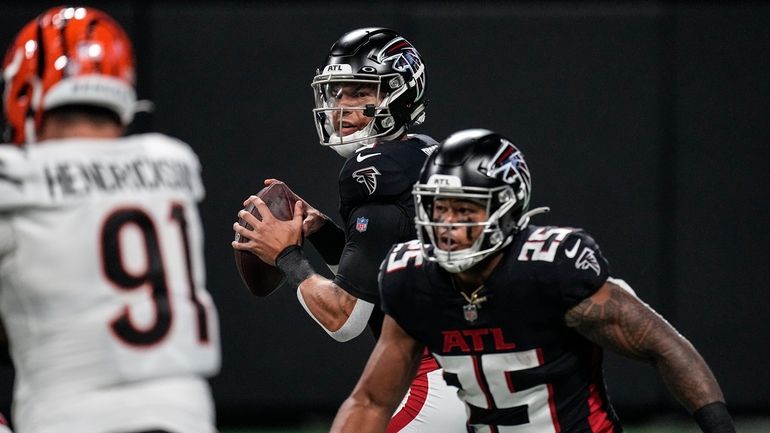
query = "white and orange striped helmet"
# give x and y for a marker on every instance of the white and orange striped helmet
(67, 56)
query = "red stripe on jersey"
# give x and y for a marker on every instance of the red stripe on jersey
(552, 406)
(418, 393)
(427, 364)
(597, 417)
(551, 402)
(481, 380)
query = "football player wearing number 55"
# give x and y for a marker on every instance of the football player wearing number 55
(517, 315)
(102, 283)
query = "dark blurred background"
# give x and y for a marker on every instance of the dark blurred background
(646, 123)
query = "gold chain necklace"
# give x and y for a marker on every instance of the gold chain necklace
(471, 309)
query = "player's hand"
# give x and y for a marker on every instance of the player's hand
(268, 237)
(312, 220)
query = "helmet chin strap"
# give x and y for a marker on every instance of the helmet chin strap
(350, 143)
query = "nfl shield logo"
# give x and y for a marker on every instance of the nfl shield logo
(361, 224)
(470, 312)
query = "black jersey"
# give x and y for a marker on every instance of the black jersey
(512, 355)
(377, 208)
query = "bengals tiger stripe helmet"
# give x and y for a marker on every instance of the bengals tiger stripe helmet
(67, 56)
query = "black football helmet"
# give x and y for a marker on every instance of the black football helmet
(480, 166)
(383, 59)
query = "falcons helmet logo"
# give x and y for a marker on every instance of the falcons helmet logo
(405, 59)
(368, 177)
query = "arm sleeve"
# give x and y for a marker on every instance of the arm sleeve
(372, 230)
(329, 241)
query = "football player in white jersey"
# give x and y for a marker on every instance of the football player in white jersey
(102, 280)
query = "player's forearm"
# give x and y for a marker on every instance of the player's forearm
(356, 416)
(687, 375)
(385, 380)
(326, 302)
(340, 314)
(617, 320)
(320, 297)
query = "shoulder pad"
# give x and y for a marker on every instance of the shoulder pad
(577, 267)
(403, 255)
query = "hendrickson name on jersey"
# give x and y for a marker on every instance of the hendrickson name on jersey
(77, 179)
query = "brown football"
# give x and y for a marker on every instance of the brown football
(259, 277)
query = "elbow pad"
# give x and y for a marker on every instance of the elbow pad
(352, 327)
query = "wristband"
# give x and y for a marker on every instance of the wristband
(329, 241)
(294, 265)
(714, 418)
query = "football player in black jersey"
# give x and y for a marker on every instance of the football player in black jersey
(516, 314)
(368, 94)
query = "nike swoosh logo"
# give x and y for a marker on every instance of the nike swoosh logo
(572, 251)
(361, 158)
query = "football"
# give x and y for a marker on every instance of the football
(259, 277)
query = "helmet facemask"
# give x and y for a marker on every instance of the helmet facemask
(377, 57)
(492, 233)
(346, 102)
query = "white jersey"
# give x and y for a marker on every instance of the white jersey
(102, 280)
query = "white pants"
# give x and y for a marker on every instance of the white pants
(181, 404)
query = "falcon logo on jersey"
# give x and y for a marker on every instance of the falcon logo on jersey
(362, 223)
(587, 260)
(429, 150)
(368, 177)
